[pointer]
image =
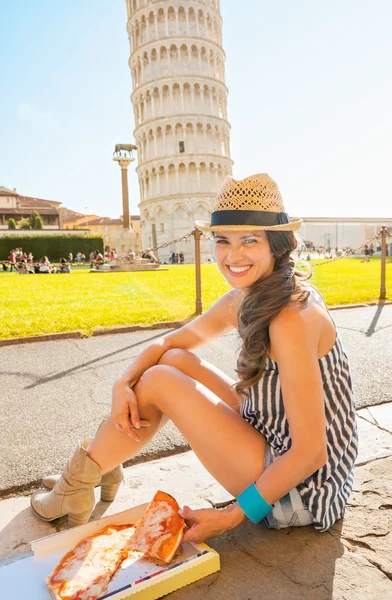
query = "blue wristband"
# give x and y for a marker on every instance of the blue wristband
(253, 504)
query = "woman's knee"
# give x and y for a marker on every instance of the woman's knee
(176, 357)
(154, 382)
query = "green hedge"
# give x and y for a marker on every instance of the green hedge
(52, 246)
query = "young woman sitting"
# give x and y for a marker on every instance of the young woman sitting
(282, 439)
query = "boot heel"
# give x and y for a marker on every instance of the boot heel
(109, 491)
(80, 519)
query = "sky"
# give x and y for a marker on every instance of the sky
(310, 101)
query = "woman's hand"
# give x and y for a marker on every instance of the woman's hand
(206, 523)
(125, 413)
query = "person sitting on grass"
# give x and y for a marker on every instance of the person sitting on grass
(282, 438)
(148, 253)
(30, 266)
(45, 266)
(22, 267)
(98, 260)
(64, 266)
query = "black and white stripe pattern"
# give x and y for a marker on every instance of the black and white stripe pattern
(324, 493)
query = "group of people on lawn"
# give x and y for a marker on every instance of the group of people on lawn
(25, 264)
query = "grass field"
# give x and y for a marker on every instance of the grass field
(38, 304)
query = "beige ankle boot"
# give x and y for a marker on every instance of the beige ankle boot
(73, 494)
(109, 483)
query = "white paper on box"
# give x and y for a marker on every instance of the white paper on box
(24, 579)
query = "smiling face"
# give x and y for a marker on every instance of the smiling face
(243, 257)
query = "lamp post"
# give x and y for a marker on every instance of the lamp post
(383, 289)
(123, 155)
(199, 305)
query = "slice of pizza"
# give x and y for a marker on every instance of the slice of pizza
(160, 530)
(85, 572)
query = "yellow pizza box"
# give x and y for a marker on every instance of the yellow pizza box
(138, 579)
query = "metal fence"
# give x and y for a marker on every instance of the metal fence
(381, 236)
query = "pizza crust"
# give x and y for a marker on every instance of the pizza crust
(52, 591)
(160, 530)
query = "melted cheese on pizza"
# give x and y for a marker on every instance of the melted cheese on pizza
(153, 525)
(85, 572)
(160, 530)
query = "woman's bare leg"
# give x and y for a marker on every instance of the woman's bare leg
(231, 449)
(204, 372)
(120, 447)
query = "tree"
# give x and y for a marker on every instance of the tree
(32, 218)
(37, 222)
(24, 223)
(11, 224)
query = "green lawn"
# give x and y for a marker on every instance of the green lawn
(348, 281)
(37, 304)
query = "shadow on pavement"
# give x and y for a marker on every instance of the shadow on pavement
(373, 324)
(62, 374)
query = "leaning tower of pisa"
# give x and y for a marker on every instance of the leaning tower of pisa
(180, 106)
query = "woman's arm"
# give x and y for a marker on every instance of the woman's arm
(295, 337)
(219, 319)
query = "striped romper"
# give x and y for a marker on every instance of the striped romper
(320, 499)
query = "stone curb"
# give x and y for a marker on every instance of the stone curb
(67, 335)
(362, 305)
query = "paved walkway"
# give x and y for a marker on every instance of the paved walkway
(54, 393)
(352, 561)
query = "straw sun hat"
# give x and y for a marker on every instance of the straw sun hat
(251, 203)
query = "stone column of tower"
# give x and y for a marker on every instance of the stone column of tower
(180, 106)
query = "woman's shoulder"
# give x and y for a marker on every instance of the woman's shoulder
(229, 304)
(305, 314)
(304, 307)
(224, 312)
(309, 319)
